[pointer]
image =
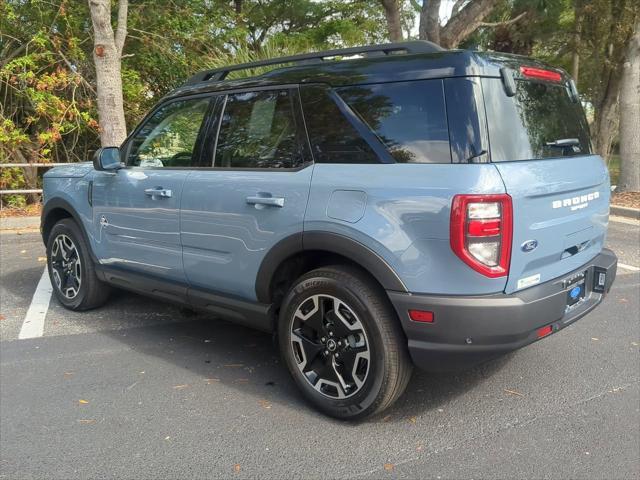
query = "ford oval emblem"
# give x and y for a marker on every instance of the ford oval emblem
(529, 245)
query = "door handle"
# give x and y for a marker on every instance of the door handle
(158, 192)
(266, 200)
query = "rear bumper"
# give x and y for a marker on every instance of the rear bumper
(468, 330)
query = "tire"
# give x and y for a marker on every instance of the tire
(367, 366)
(68, 256)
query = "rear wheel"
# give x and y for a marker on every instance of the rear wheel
(72, 270)
(342, 343)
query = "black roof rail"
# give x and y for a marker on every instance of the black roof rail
(417, 46)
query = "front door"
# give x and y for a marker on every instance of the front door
(137, 209)
(254, 196)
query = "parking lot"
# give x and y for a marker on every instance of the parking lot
(143, 389)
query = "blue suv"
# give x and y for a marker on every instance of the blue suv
(376, 208)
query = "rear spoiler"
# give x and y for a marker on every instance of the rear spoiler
(509, 81)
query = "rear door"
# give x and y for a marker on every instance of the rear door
(137, 209)
(539, 142)
(254, 194)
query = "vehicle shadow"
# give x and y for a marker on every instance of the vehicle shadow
(248, 360)
(244, 359)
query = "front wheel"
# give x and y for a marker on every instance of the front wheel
(342, 343)
(72, 270)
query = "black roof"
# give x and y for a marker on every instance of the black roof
(383, 63)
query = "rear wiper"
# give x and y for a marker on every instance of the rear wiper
(568, 145)
(564, 143)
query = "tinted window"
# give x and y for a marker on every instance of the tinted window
(467, 120)
(333, 139)
(541, 112)
(168, 138)
(408, 117)
(258, 130)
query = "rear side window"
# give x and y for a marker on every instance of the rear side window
(409, 118)
(525, 126)
(259, 130)
(333, 139)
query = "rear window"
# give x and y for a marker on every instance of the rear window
(522, 127)
(409, 118)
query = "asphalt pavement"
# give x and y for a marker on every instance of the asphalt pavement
(142, 389)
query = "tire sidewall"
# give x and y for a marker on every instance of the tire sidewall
(69, 228)
(364, 400)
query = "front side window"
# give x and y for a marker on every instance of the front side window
(259, 130)
(168, 138)
(409, 118)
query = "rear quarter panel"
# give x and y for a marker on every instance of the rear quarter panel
(404, 218)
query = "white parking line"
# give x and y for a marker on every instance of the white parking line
(33, 324)
(628, 267)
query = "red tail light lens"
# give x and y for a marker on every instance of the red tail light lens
(541, 74)
(482, 231)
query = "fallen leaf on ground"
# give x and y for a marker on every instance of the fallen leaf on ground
(2, 317)
(513, 392)
(86, 421)
(265, 404)
(388, 467)
(412, 420)
(83, 402)
(42, 259)
(234, 365)
(236, 467)
(180, 387)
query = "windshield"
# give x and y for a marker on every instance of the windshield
(540, 121)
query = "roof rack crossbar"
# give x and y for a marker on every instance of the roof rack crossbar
(418, 46)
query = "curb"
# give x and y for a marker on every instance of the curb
(625, 212)
(19, 223)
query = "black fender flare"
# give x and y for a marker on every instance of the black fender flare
(328, 242)
(60, 203)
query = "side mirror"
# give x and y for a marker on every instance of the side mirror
(107, 159)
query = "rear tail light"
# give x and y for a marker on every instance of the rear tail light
(482, 231)
(541, 74)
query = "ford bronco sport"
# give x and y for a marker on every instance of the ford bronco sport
(376, 207)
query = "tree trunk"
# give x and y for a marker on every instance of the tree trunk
(577, 37)
(465, 22)
(430, 21)
(630, 117)
(606, 119)
(107, 54)
(392, 13)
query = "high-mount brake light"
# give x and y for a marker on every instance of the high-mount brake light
(541, 74)
(482, 232)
